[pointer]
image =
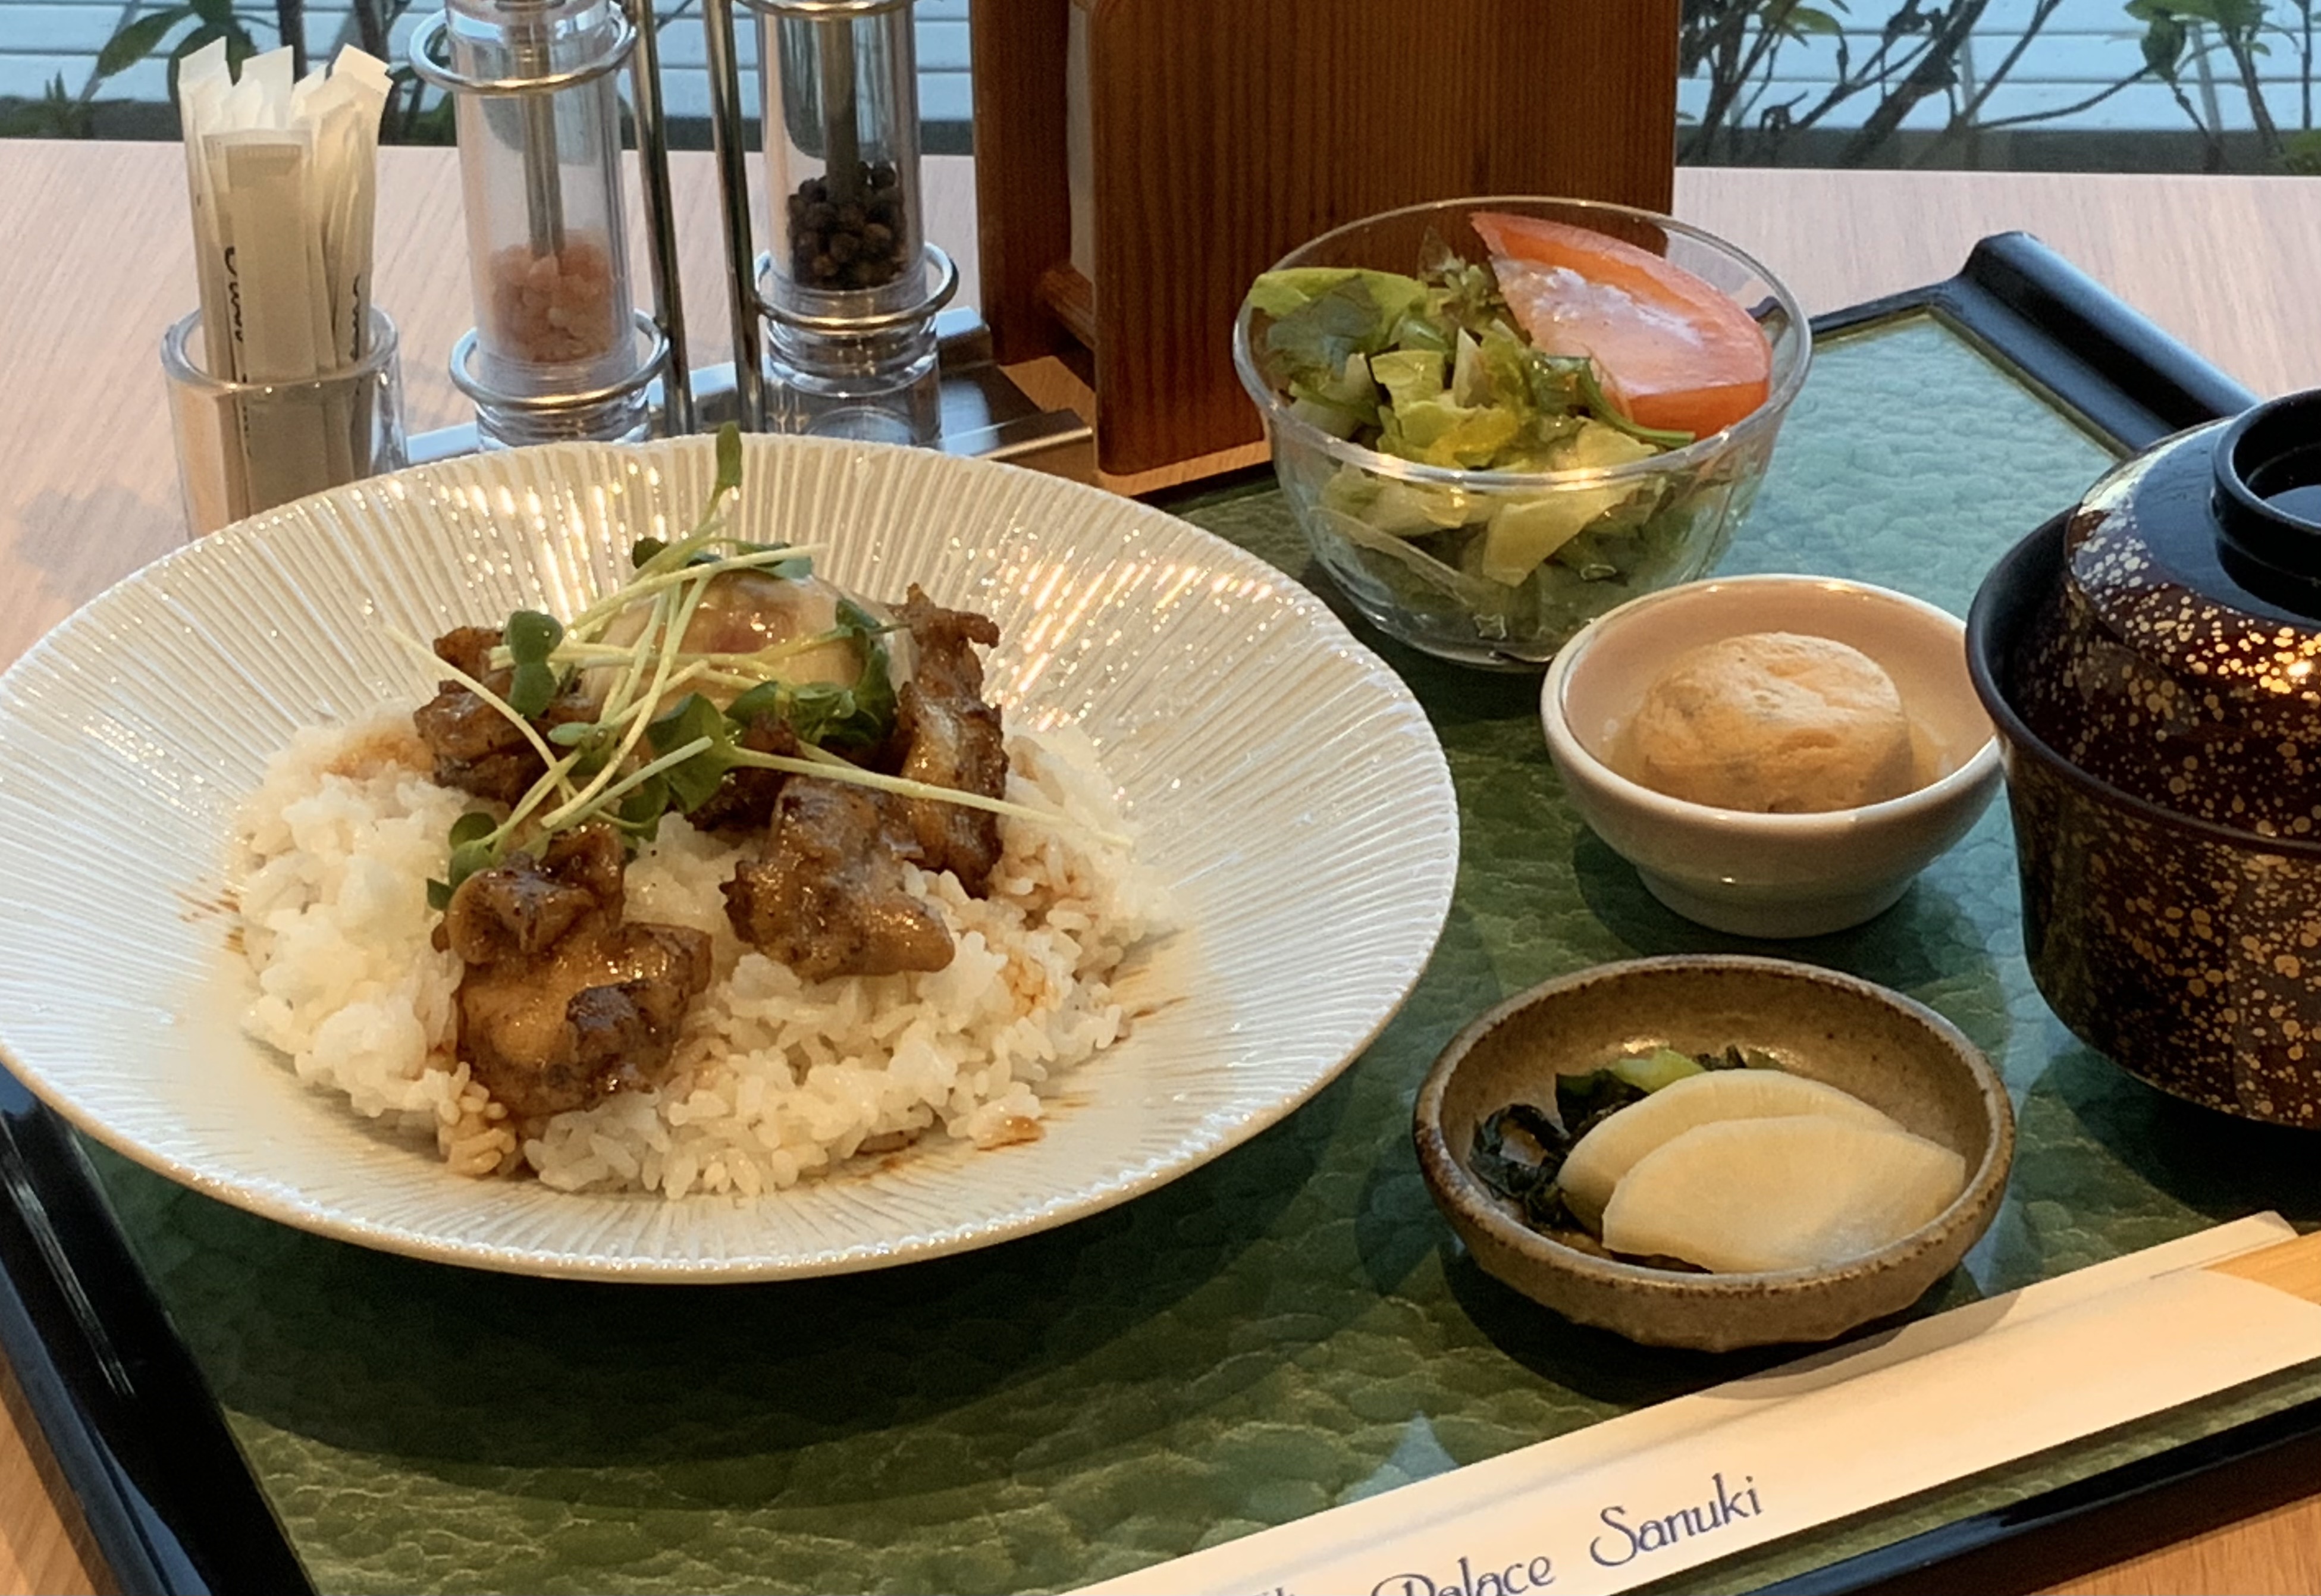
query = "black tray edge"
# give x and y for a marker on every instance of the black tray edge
(2126, 379)
(167, 1494)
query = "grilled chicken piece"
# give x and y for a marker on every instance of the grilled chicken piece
(744, 800)
(477, 748)
(949, 737)
(561, 1003)
(828, 899)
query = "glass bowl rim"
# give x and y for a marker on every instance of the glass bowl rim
(1763, 420)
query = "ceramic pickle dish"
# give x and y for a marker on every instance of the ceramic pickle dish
(1894, 1054)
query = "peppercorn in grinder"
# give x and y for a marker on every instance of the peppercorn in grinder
(847, 295)
(559, 350)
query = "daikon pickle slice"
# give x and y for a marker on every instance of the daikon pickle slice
(1608, 1151)
(1802, 1191)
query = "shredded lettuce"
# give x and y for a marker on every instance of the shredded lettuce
(1328, 316)
(1360, 353)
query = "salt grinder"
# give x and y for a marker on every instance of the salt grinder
(559, 350)
(848, 293)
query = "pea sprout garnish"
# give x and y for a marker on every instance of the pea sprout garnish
(654, 742)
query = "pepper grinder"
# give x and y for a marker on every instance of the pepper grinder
(559, 350)
(847, 295)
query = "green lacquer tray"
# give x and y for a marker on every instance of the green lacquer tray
(1288, 1327)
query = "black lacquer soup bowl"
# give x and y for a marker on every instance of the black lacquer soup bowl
(2152, 663)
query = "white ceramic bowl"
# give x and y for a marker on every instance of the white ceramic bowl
(1773, 875)
(1307, 894)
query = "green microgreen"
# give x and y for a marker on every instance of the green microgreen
(697, 724)
(858, 717)
(530, 638)
(791, 562)
(659, 557)
(819, 711)
(639, 815)
(659, 642)
(832, 767)
(658, 769)
(474, 846)
(729, 462)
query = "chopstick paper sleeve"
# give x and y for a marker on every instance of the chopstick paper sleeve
(1638, 1498)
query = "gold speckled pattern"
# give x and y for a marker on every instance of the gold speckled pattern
(2194, 963)
(2190, 957)
(2171, 694)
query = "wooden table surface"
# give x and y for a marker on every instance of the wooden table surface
(95, 261)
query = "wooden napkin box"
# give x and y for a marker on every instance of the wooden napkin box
(1138, 161)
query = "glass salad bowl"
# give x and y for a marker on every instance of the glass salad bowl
(1513, 493)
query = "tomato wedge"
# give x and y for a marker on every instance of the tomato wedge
(1669, 350)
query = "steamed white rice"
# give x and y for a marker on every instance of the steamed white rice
(774, 1079)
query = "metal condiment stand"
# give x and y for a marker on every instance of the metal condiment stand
(845, 333)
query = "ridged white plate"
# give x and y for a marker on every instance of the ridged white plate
(1286, 785)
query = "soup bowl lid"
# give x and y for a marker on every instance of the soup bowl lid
(2180, 658)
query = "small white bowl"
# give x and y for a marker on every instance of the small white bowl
(1773, 875)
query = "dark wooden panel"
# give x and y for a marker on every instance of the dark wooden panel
(1228, 132)
(1023, 200)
